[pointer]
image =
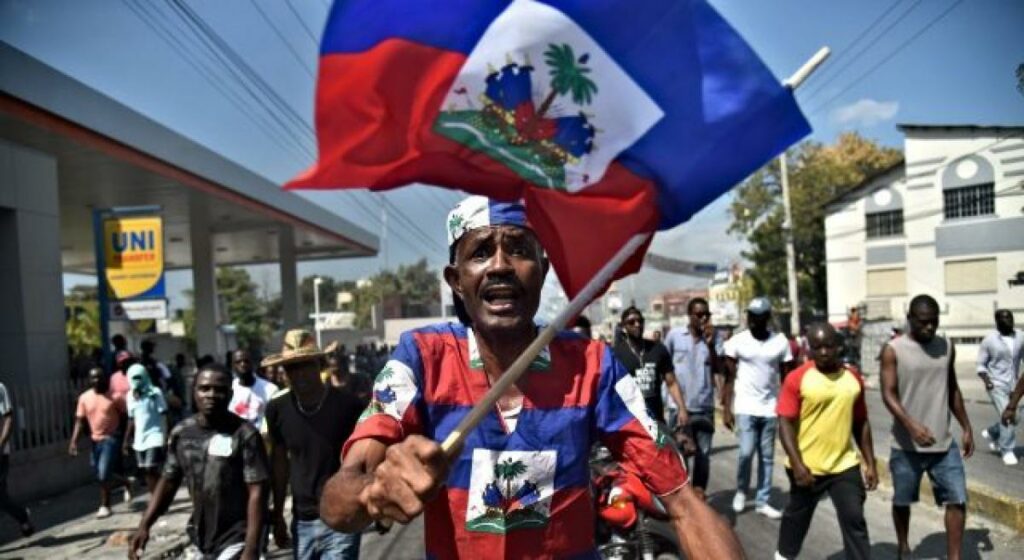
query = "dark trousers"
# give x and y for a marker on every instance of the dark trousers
(6, 504)
(702, 428)
(846, 490)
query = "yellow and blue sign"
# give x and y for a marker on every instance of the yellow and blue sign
(133, 251)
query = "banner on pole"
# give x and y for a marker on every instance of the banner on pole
(133, 251)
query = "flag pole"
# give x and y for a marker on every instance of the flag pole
(457, 437)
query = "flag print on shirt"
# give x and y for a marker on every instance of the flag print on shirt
(510, 490)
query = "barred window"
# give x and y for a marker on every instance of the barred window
(885, 224)
(964, 202)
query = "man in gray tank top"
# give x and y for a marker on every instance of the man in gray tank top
(920, 389)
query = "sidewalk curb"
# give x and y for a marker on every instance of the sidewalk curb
(981, 499)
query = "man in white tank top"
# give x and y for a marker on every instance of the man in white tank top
(920, 389)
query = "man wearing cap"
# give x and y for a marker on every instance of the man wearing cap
(306, 426)
(519, 485)
(755, 359)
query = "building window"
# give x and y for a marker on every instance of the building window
(885, 224)
(971, 277)
(964, 202)
(887, 282)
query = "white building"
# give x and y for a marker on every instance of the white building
(947, 221)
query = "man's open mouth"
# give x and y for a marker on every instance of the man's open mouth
(501, 298)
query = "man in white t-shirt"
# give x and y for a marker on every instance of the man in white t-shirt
(755, 360)
(250, 393)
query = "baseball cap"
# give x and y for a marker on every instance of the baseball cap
(759, 306)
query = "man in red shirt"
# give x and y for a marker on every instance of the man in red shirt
(519, 487)
(821, 412)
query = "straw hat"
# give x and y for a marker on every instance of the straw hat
(299, 346)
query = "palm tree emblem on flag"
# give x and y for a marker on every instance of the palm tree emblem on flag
(514, 131)
(511, 498)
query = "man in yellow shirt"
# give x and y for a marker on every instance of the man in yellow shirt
(821, 412)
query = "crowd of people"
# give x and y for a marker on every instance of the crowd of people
(309, 423)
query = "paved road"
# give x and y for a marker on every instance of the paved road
(759, 535)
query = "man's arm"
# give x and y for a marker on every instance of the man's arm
(675, 390)
(1010, 413)
(702, 532)
(279, 488)
(956, 404)
(788, 428)
(163, 496)
(982, 363)
(378, 481)
(129, 433)
(891, 397)
(76, 432)
(253, 521)
(862, 435)
(6, 422)
(727, 392)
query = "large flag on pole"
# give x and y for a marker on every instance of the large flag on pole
(607, 117)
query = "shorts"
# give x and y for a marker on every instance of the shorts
(152, 458)
(106, 457)
(945, 470)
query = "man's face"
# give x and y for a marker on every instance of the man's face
(97, 380)
(824, 345)
(498, 274)
(241, 363)
(304, 377)
(758, 321)
(699, 315)
(1004, 321)
(633, 325)
(213, 392)
(924, 321)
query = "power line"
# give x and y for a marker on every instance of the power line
(302, 22)
(835, 70)
(889, 56)
(281, 36)
(140, 10)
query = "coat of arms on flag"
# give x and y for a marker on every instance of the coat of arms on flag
(556, 125)
(510, 490)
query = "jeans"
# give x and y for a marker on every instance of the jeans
(702, 427)
(847, 492)
(756, 432)
(945, 470)
(106, 458)
(1005, 436)
(314, 540)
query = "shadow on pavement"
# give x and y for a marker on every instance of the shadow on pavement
(976, 541)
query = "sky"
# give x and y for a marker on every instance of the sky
(894, 61)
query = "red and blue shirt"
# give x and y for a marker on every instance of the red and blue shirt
(521, 493)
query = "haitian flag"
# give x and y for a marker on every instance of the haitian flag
(607, 117)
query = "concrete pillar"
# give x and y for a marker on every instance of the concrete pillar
(204, 281)
(289, 277)
(33, 345)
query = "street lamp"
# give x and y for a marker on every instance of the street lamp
(316, 309)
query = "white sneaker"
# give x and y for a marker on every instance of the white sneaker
(1009, 458)
(739, 502)
(103, 512)
(127, 495)
(768, 511)
(779, 556)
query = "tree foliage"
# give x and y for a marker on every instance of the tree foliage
(83, 320)
(415, 286)
(241, 306)
(817, 174)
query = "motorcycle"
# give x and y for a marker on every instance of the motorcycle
(632, 523)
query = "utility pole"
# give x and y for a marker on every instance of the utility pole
(787, 224)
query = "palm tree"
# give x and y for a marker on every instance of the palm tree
(568, 76)
(508, 470)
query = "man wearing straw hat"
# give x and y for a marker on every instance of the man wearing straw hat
(517, 485)
(306, 426)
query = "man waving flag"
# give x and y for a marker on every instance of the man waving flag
(607, 117)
